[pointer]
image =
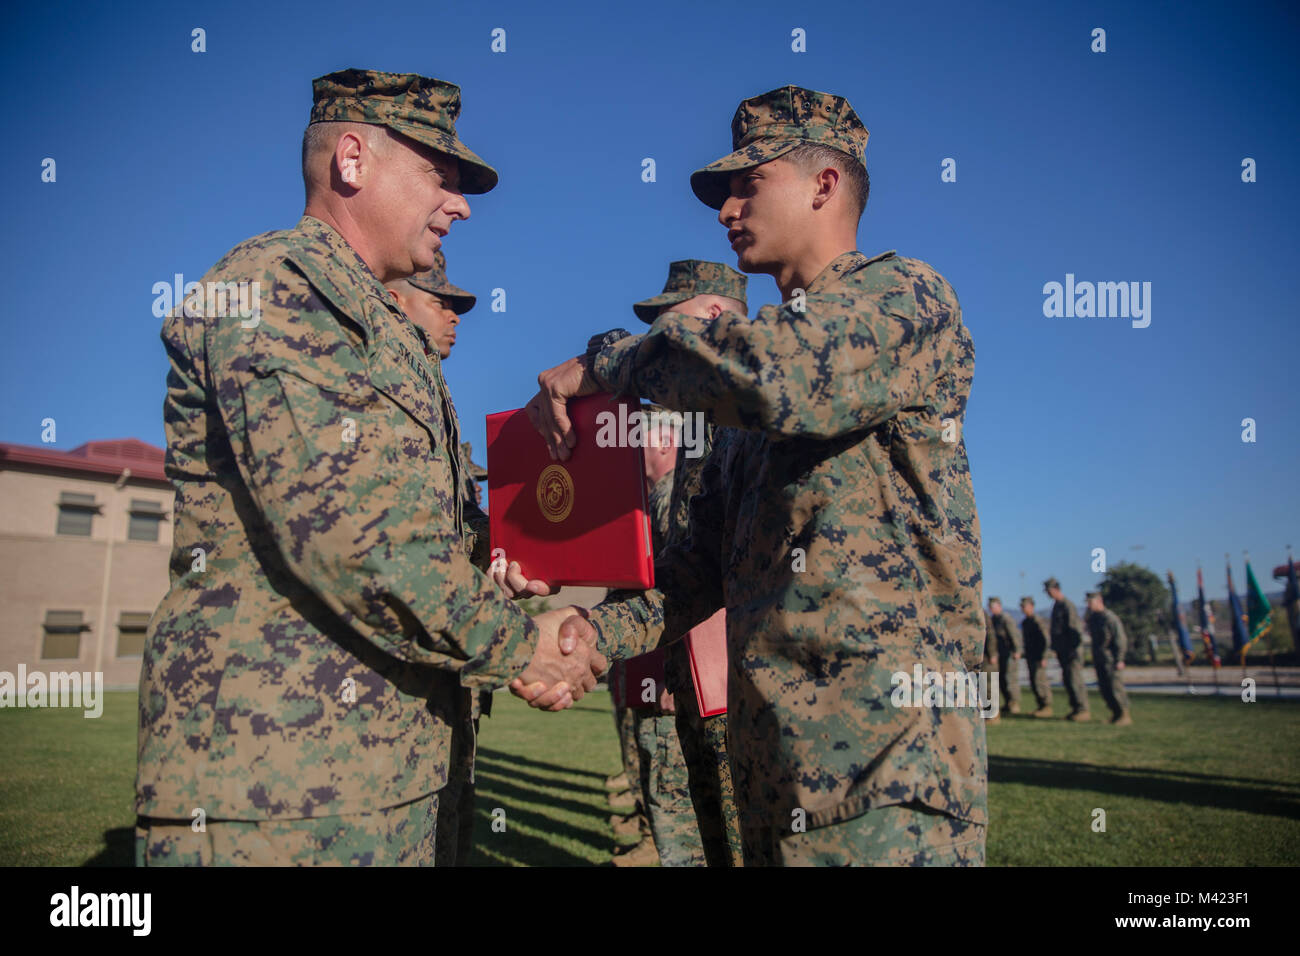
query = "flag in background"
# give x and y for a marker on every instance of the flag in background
(1206, 616)
(1258, 611)
(1239, 639)
(1291, 600)
(1180, 622)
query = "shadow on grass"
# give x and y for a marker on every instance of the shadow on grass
(517, 848)
(119, 848)
(1168, 786)
(504, 787)
(515, 775)
(511, 761)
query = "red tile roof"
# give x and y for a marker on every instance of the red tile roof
(94, 458)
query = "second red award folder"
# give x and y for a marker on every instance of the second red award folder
(581, 521)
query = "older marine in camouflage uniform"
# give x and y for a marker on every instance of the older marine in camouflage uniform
(1067, 643)
(303, 683)
(1034, 630)
(1109, 642)
(838, 528)
(1007, 636)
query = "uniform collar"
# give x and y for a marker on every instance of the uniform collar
(842, 265)
(341, 250)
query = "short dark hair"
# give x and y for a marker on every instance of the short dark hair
(814, 157)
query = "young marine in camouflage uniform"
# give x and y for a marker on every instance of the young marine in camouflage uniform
(303, 678)
(1067, 643)
(838, 528)
(1035, 630)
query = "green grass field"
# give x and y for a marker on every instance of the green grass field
(1193, 782)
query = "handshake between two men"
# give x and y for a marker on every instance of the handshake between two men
(566, 663)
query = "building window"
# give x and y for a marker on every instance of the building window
(75, 513)
(146, 516)
(131, 628)
(63, 635)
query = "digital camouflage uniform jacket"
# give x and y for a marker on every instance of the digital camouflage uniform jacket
(1108, 636)
(687, 478)
(1006, 633)
(844, 459)
(311, 662)
(1067, 630)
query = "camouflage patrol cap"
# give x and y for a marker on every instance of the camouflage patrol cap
(435, 281)
(1092, 594)
(772, 124)
(476, 471)
(688, 278)
(1026, 600)
(1051, 583)
(416, 106)
(995, 600)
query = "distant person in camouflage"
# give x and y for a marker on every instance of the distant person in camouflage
(1007, 636)
(1035, 632)
(1067, 643)
(1108, 645)
(665, 790)
(838, 528)
(704, 290)
(303, 678)
(989, 665)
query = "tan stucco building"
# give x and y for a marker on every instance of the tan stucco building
(85, 538)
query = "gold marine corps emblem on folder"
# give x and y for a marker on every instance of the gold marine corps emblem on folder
(555, 493)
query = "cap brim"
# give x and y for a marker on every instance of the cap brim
(712, 184)
(476, 176)
(647, 309)
(461, 301)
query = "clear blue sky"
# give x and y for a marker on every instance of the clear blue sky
(1122, 166)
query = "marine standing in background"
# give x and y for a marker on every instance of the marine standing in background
(1035, 632)
(1067, 642)
(704, 290)
(665, 791)
(434, 307)
(1108, 645)
(1007, 636)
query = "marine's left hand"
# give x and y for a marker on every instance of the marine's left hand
(547, 410)
(509, 577)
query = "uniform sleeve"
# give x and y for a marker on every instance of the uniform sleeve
(478, 534)
(688, 580)
(477, 527)
(1119, 639)
(1017, 642)
(845, 363)
(1073, 626)
(343, 480)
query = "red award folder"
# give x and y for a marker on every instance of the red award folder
(707, 643)
(581, 521)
